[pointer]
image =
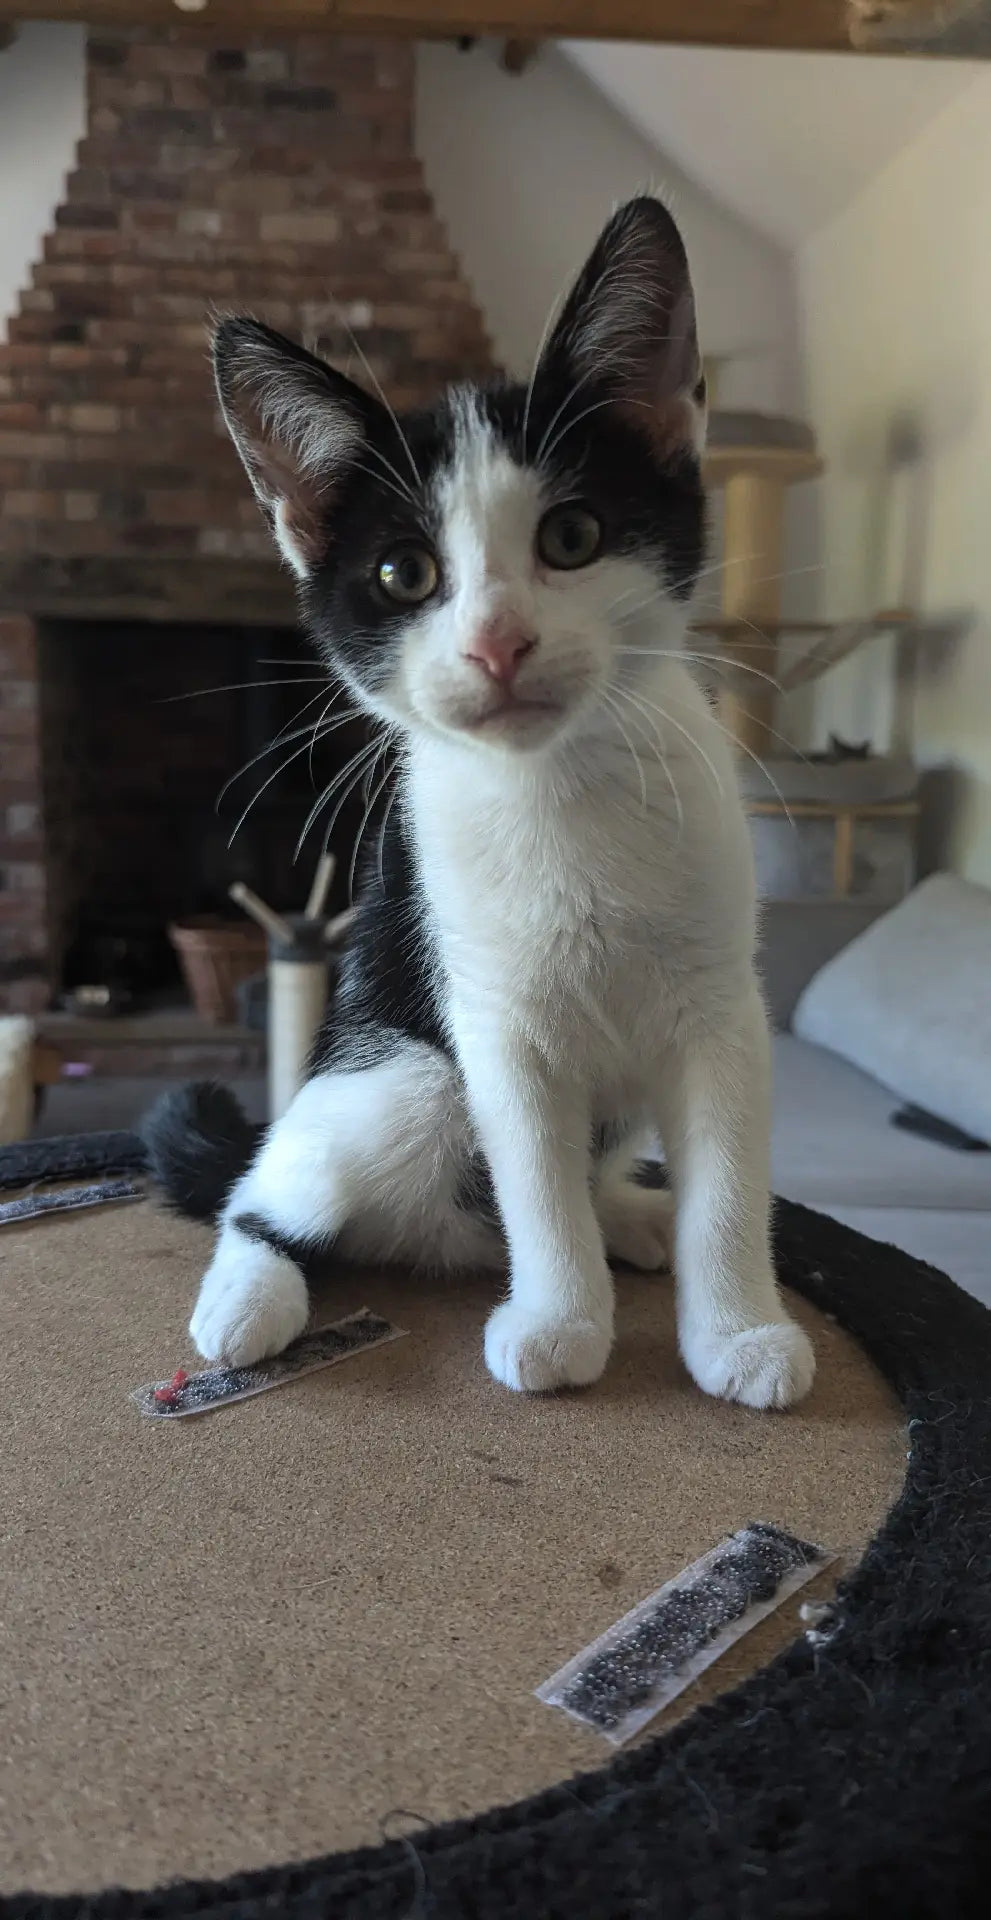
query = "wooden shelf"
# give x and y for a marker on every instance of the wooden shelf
(830, 809)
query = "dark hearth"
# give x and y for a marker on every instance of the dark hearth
(142, 728)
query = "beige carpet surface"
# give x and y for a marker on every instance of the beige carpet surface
(255, 1635)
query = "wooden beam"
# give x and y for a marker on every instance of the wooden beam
(517, 55)
(796, 24)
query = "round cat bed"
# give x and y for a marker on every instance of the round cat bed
(316, 1619)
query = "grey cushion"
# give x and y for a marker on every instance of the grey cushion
(909, 1001)
(833, 1145)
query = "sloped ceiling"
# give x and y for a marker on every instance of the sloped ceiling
(784, 139)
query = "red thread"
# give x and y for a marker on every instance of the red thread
(170, 1394)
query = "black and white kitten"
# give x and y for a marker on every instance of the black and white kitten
(556, 948)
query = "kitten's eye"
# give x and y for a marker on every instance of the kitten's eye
(408, 574)
(569, 536)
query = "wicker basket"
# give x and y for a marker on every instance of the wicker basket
(215, 955)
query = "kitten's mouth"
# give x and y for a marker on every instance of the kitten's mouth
(511, 709)
(516, 717)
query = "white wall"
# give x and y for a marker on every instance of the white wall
(42, 112)
(525, 169)
(786, 140)
(896, 298)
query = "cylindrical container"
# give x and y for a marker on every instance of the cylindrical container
(297, 1001)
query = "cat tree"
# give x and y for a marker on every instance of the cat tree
(865, 808)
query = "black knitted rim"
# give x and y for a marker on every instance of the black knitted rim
(851, 1778)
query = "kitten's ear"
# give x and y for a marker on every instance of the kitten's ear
(629, 326)
(296, 425)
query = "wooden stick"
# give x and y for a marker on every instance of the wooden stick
(326, 866)
(336, 928)
(273, 923)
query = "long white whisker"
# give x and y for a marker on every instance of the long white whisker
(334, 308)
(640, 699)
(555, 417)
(555, 308)
(396, 485)
(643, 721)
(357, 761)
(775, 735)
(759, 764)
(373, 376)
(369, 810)
(636, 757)
(267, 783)
(716, 659)
(743, 559)
(245, 686)
(569, 425)
(385, 822)
(744, 667)
(283, 739)
(344, 795)
(317, 732)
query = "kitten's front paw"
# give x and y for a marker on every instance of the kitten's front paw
(252, 1303)
(532, 1354)
(769, 1366)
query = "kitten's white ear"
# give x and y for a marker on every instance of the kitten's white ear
(629, 326)
(296, 425)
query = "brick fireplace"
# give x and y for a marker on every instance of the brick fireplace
(273, 175)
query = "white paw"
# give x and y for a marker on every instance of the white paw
(252, 1303)
(533, 1355)
(638, 1226)
(769, 1366)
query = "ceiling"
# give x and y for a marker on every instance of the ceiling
(784, 139)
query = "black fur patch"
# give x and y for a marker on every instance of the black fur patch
(385, 991)
(255, 1227)
(198, 1143)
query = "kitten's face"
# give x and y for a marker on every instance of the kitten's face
(494, 596)
(490, 569)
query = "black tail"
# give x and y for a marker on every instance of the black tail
(198, 1143)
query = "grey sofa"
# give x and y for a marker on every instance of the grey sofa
(834, 1146)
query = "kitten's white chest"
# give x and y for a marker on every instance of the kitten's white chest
(593, 917)
(542, 921)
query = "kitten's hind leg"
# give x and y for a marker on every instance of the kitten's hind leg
(637, 1220)
(637, 1223)
(371, 1160)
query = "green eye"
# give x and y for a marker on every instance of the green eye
(569, 536)
(408, 574)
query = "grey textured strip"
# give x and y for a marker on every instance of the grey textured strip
(189, 1393)
(643, 1662)
(31, 1205)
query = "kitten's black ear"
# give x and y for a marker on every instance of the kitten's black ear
(629, 326)
(296, 425)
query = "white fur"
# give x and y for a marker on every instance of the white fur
(588, 877)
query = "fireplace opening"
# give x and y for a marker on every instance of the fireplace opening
(142, 726)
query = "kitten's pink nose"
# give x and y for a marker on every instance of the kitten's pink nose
(499, 648)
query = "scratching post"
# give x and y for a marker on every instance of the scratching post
(753, 522)
(299, 953)
(754, 458)
(297, 1000)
